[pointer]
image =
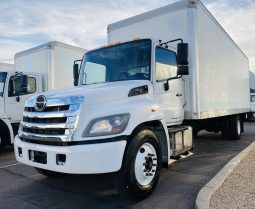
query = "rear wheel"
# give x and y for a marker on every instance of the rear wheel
(141, 166)
(235, 127)
(49, 173)
(225, 128)
(231, 127)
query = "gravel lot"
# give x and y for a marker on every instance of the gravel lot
(21, 187)
(238, 190)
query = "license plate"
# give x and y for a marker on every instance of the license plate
(38, 157)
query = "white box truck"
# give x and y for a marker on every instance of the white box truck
(138, 99)
(42, 68)
(6, 67)
(251, 114)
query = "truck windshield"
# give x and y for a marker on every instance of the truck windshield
(127, 61)
(2, 82)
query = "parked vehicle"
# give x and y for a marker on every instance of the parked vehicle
(251, 114)
(45, 67)
(6, 67)
(137, 100)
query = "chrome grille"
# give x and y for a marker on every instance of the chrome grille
(54, 123)
(49, 109)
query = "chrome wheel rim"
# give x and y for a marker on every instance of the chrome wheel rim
(145, 164)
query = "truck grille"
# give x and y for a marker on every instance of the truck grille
(44, 120)
(54, 123)
(49, 109)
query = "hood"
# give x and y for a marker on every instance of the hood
(95, 93)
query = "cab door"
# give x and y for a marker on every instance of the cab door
(171, 100)
(17, 93)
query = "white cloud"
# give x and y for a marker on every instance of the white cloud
(82, 23)
(237, 18)
(27, 23)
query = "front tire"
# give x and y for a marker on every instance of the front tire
(2, 139)
(141, 167)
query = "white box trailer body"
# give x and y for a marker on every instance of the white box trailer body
(53, 60)
(6, 67)
(219, 71)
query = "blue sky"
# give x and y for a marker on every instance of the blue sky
(28, 23)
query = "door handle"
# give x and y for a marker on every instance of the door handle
(178, 94)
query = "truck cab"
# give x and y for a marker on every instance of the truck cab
(15, 88)
(128, 104)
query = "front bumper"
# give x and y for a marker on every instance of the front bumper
(80, 159)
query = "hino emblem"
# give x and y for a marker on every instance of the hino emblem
(40, 103)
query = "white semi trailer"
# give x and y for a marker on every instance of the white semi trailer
(42, 68)
(138, 100)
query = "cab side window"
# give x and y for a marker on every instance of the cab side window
(15, 88)
(166, 64)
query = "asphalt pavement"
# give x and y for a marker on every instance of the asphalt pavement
(22, 187)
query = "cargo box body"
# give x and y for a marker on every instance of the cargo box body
(53, 60)
(218, 82)
(6, 67)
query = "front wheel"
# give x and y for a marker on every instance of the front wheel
(2, 139)
(141, 167)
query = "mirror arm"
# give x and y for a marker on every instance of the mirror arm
(166, 85)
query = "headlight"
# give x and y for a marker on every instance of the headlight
(109, 125)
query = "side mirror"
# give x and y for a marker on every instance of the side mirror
(182, 54)
(183, 70)
(75, 74)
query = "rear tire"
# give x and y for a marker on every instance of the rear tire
(231, 127)
(225, 128)
(141, 166)
(49, 173)
(235, 127)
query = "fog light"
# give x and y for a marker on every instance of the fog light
(20, 152)
(61, 159)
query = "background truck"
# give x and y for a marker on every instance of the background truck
(6, 67)
(251, 114)
(42, 68)
(164, 72)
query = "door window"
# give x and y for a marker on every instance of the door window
(166, 64)
(15, 88)
(94, 73)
